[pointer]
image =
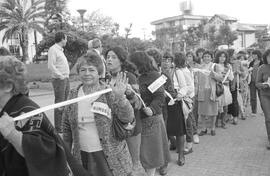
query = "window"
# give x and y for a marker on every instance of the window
(14, 36)
(14, 49)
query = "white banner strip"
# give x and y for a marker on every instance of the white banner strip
(58, 105)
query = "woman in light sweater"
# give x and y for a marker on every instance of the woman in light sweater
(263, 84)
(208, 102)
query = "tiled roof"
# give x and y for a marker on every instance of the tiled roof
(245, 27)
(179, 17)
(226, 18)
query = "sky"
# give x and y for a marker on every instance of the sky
(142, 12)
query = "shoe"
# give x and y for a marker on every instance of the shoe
(188, 151)
(213, 132)
(234, 122)
(196, 139)
(203, 132)
(223, 127)
(268, 146)
(181, 162)
(243, 118)
(172, 147)
(163, 170)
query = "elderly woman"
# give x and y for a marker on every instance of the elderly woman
(263, 84)
(30, 146)
(207, 99)
(154, 146)
(87, 125)
(116, 61)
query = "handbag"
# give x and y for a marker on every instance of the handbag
(121, 130)
(187, 103)
(219, 84)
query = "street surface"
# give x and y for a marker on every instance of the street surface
(237, 151)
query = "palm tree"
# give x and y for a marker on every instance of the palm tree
(18, 17)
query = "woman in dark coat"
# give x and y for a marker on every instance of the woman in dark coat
(154, 145)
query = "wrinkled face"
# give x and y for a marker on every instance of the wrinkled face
(207, 58)
(112, 61)
(88, 74)
(222, 58)
(166, 63)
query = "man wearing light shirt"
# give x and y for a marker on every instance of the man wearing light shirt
(58, 65)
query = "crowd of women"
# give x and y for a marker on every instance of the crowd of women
(160, 101)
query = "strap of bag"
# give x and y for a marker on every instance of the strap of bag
(226, 76)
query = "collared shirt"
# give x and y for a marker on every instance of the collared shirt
(57, 62)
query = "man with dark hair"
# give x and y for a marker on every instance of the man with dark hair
(58, 65)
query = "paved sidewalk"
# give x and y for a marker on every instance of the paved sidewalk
(237, 151)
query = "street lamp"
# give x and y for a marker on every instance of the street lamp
(82, 12)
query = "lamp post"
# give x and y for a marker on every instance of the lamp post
(82, 12)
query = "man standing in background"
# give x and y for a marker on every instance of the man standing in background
(95, 46)
(58, 65)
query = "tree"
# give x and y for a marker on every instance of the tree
(226, 36)
(76, 46)
(98, 23)
(19, 18)
(56, 14)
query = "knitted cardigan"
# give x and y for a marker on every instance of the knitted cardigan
(116, 152)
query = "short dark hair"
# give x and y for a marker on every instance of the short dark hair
(142, 62)
(179, 60)
(168, 54)
(265, 54)
(90, 58)
(59, 36)
(207, 52)
(218, 54)
(258, 53)
(4, 52)
(199, 50)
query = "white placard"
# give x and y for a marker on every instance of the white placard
(101, 108)
(157, 83)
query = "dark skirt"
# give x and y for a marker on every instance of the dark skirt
(233, 108)
(176, 121)
(138, 126)
(95, 163)
(154, 145)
